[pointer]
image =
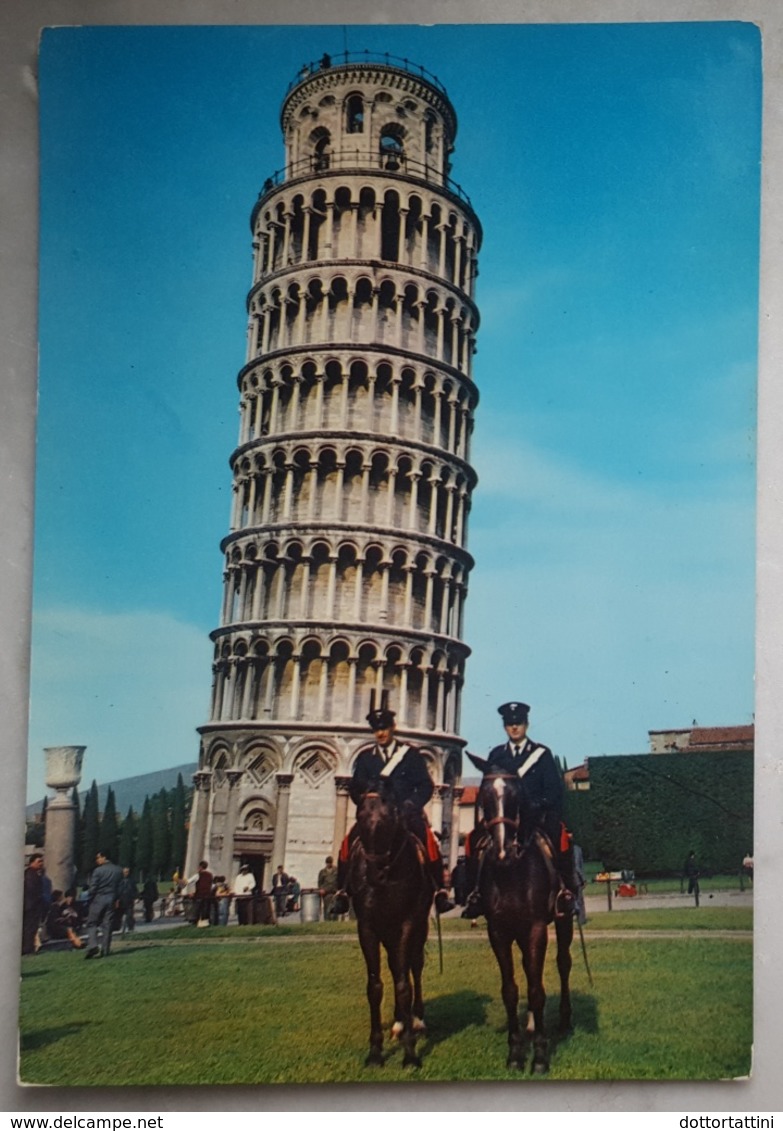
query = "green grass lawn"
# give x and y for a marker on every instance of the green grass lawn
(287, 1005)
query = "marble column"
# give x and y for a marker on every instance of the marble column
(63, 773)
(202, 781)
(281, 822)
(341, 785)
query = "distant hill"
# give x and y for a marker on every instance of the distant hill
(130, 792)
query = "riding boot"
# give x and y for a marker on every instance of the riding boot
(442, 901)
(341, 904)
(474, 906)
(567, 897)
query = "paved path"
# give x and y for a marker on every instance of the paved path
(593, 904)
(730, 898)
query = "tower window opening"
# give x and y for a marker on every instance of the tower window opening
(355, 114)
(392, 150)
(322, 151)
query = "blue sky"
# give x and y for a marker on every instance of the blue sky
(615, 170)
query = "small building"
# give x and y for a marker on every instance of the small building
(708, 740)
(578, 779)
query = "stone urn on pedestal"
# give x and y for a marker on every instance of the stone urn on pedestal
(63, 772)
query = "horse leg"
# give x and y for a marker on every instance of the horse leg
(533, 955)
(510, 993)
(400, 967)
(371, 949)
(417, 966)
(564, 930)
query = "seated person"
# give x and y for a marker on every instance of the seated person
(403, 766)
(63, 920)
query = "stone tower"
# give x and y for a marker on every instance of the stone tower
(346, 566)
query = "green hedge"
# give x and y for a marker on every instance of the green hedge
(647, 811)
(578, 816)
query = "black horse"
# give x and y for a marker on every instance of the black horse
(391, 894)
(519, 883)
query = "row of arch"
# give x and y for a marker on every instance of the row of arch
(330, 682)
(353, 307)
(414, 591)
(260, 758)
(389, 397)
(367, 222)
(352, 483)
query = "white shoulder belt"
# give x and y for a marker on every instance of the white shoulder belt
(530, 761)
(394, 761)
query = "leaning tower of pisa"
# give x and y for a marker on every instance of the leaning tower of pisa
(346, 567)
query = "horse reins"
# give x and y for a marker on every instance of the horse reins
(375, 857)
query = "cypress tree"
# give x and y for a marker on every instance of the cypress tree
(161, 835)
(126, 854)
(109, 836)
(35, 832)
(144, 841)
(90, 830)
(178, 825)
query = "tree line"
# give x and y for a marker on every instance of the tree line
(151, 843)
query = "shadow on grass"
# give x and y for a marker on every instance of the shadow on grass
(34, 974)
(137, 948)
(448, 1014)
(584, 1019)
(40, 1038)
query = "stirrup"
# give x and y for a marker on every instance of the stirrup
(473, 908)
(341, 904)
(565, 903)
(442, 902)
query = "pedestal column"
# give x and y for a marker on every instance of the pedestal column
(63, 772)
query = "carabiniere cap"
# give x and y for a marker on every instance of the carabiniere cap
(381, 718)
(514, 713)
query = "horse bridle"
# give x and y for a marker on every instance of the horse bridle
(512, 823)
(376, 857)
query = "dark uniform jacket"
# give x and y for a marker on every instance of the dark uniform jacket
(540, 783)
(409, 778)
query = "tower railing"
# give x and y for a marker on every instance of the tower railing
(372, 58)
(359, 161)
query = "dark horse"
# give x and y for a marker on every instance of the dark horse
(518, 884)
(391, 894)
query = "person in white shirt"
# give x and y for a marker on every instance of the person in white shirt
(244, 886)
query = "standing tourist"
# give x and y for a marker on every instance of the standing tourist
(128, 895)
(244, 886)
(280, 890)
(691, 869)
(202, 894)
(104, 895)
(32, 909)
(327, 887)
(149, 896)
